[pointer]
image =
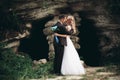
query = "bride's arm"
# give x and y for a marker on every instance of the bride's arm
(61, 35)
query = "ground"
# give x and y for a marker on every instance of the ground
(92, 73)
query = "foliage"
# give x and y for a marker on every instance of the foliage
(20, 67)
(12, 66)
(42, 70)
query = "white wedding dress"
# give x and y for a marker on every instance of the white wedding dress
(71, 64)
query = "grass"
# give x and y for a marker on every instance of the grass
(113, 68)
(43, 71)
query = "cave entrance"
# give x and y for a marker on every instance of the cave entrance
(89, 40)
(36, 44)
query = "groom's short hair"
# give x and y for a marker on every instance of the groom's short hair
(61, 16)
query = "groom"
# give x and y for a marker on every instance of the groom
(59, 43)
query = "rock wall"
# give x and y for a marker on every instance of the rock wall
(99, 33)
(98, 27)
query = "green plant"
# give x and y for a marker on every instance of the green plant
(42, 70)
(12, 66)
(20, 67)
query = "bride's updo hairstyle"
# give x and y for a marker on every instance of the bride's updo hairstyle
(71, 20)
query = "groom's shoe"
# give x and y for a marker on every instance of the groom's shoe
(58, 73)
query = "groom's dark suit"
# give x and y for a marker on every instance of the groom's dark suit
(59, 46)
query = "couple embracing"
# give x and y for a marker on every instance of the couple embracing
(67, 60)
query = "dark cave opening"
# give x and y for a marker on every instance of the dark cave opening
(36, 44)
(89, 40)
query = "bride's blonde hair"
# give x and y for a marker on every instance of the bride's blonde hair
(73, 25)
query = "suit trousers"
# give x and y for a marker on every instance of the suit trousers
(59, 50)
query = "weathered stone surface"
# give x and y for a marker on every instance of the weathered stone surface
(47, 31)
(41, 61)
(51, 22)
(51, 47)
(38, 9)
(13, 45)
(75, 38)
(98, 28)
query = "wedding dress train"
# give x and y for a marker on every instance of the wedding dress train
(71, 64)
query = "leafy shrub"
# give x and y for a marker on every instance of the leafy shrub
(43, 70)
(12, 66)
(20, 67)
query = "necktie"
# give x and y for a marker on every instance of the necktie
(56, 38)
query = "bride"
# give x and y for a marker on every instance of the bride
(71, 63)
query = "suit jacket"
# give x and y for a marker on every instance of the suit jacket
(61, 30)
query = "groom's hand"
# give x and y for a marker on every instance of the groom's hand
(61, 35)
